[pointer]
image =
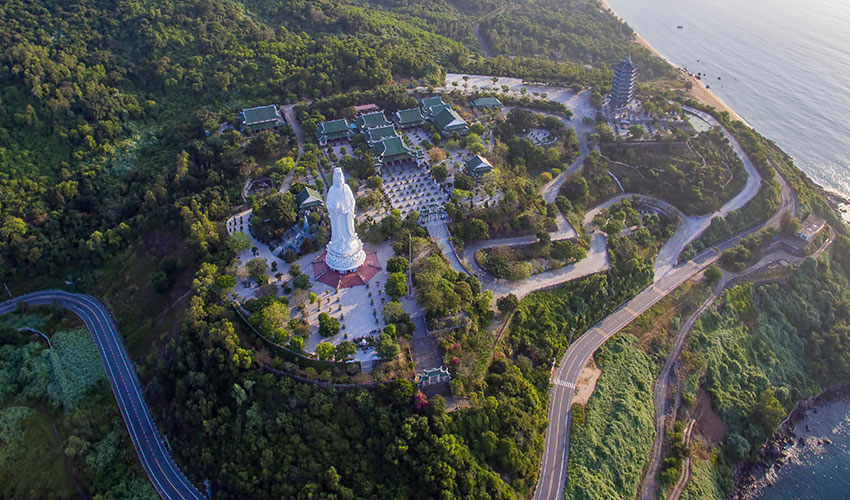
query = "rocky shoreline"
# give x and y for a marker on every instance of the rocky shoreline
(750, 478)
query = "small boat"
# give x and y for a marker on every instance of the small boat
(680, 27)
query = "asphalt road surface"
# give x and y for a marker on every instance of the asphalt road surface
(166, 477)
(550, 483)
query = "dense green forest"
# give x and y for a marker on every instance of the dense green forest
(762, 350)
(95, 100)
(102, 139)
(60, 428)
(99, 99)
(104, 109)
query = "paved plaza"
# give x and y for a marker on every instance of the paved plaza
(359, 313)
(358, 310)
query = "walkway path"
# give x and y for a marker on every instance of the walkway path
(164, 474)
(693, 226)
(440, 232)
(488, 52)
(650, 484)
(476, 29)
(686, 463)
(662, 384)
(289, 114)
(596, 260)
(550, 484)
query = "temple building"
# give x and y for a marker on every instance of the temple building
(261, 118)
(623, 85)
(408, 118)
(366, 108)
(478, 166)
(378, 134)
(334, 130)
(308, 198)
(392, 151)
(372, 120)
(432, 105)
(448, 122)
(485, 103)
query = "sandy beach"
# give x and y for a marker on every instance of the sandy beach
(698, 90)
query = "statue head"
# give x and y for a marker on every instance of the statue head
(339, 179)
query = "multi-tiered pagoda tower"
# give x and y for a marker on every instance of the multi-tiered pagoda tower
(623, 85)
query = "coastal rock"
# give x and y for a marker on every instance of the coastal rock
(751, 477)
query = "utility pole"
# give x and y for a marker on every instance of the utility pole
(7, 289)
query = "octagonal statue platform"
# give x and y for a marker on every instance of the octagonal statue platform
(360, 276)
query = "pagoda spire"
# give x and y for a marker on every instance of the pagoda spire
(623, 84)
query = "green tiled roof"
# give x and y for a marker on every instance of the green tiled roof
(487, 102)
(261, 114)
(334, 126)
(391, 147)
(437, 108)
(409, 116)
(431, 101)
(372, 120)
(478, 165)
(376, 134)
(308, 197)
(435, 374)
(449, 120)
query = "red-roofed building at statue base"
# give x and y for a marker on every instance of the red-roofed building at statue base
(323, 273)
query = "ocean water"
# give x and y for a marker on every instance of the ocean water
(817, 470)
(783, 65)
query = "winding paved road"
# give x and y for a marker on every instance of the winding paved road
(650, 484)
(694, 226)
(550, 483)
(168, 480)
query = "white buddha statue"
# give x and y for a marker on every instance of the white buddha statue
(345, 250)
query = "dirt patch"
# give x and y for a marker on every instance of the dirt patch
(586, 382)
(709, 425)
